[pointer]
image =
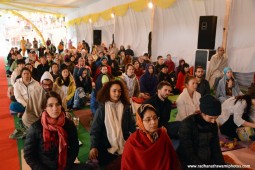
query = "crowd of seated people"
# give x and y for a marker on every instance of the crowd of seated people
(107, 79)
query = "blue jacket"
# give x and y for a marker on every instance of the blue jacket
(148, 82)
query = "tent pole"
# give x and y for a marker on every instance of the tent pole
(151, 31)
(226, 23)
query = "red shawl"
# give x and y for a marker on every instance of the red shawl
(140, 153)
(55, 125)
(180, 84)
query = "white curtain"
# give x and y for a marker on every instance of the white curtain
(107, 28)
(72, 35)
(175, 30)
(241, 37)
(84, 32)
(133, 29)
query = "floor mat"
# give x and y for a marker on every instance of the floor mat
(85, 117)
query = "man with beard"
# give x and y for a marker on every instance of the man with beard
(215, 70)
(161, 103)
(163, 106)
(203, 86)
(33, 109)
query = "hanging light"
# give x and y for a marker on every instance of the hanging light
(112, 15)
(90, 20)
(150, 5)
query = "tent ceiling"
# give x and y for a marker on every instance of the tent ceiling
(51, 6)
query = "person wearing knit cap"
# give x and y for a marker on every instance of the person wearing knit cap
(198, 133)
(33, 110)
(236, 112)
(227, 86)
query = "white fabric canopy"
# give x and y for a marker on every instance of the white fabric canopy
(175, 30)
(241, 38)
(133, 29)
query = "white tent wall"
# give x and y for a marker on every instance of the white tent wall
(107, 28)
(72, 34)
(241, 38)
(133, 29)
(85, 32)
(175, 29)
(241, 41)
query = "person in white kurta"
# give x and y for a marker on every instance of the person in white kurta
(188, 101)
(217, 63)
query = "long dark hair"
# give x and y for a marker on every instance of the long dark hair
(104, 93)
(185, 65)
(248, 99)
(61, 81)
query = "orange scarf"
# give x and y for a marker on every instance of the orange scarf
(55, 125)
(139, 123)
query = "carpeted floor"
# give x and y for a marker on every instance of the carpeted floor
(85, 117)
(8, 147)
(11, 150)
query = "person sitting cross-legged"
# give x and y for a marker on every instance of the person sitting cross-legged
(22, 88)
(198, 133)
(149, 147)
(227, 86)
(52, 141)
(112, 125)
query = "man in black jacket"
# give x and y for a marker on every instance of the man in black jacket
(198, 133)
(163, 106)
(203, 86)
(161, 103)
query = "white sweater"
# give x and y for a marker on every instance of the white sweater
(186, 105)
(21, 91)
(230, 108)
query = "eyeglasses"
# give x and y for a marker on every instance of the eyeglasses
(51, 105)
(149, 119)
(47, 85)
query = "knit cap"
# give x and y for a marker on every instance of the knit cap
(46, 76)
(209, 105)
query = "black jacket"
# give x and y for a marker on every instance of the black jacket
(41, 69)
(39, 159)
(199, 142)
(203, 87)
(98, 134)
(163, 109)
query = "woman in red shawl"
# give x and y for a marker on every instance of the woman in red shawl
(52, 141)
(149, 147)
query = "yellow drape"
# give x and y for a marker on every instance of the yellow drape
(33, 26)
(121, 10)
(24, 7)
(163, 3)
